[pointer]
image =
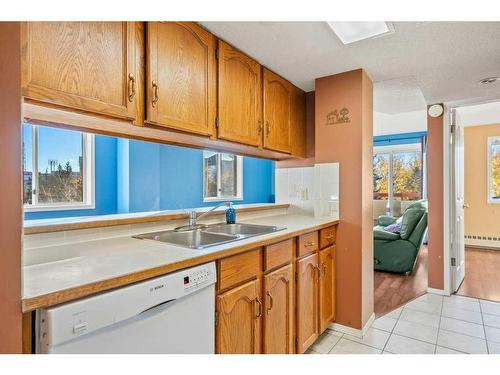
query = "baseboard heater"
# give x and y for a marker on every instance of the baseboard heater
(487, 242)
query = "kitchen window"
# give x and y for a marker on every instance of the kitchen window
(58, 169)
(222, 176)
(493, 169)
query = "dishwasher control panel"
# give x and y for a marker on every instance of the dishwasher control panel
(197, 277)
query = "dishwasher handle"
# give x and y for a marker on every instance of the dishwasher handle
(157, 306)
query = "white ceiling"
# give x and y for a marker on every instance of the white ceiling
(442, 60)
(480, 114)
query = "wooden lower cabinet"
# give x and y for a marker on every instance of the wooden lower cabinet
(278, 311)
(326, 287)
(239, 318)
(307, 302)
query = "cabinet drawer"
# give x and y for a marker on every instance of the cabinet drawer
(307, 243)
(327, 236)
(278, 254)
(239, 268)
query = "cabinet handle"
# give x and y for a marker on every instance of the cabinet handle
(259, 304)
(155, 94)
(330, 237)
(271, 302)
(260, 127)
(309, 244)
(323, 265)
(131, 87)
(268, 128)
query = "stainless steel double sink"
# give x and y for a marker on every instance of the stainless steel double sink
(211, 235)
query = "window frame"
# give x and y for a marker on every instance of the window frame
(489, 154)
(88, 154)
(396, 149)
(239, 179)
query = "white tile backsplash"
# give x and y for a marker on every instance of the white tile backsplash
(313, 190)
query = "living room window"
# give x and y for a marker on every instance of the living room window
(397, 176)
(222, 176)
(493, 169)
(58, 169)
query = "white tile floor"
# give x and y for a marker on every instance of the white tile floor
(430, 324)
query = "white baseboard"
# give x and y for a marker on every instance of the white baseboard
(353, 331)
(440, 292)
(493, 243)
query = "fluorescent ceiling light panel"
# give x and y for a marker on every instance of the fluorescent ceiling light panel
(350, 32)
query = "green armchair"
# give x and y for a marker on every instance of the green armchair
(397, 252)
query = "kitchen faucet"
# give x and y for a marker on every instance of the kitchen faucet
(193, 218)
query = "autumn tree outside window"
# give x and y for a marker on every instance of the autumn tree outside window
(494, 170)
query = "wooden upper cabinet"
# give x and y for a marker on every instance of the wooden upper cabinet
(298, 135)
(278, 315)
(181, 77)
(88, 66)
(326, 288)
(278, 95)
(307, 302)
(240, 312)
(240, 97)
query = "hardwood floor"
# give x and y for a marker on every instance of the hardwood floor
(482, 274)
(392, 290)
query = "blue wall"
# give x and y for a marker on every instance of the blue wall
(136, 176)
(169, 177)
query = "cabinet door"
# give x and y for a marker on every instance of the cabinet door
(278, 315)
(307, 302)
(88, 66)
(240, 97)
(181, 85)
(326, 288)
(277, 112)
(239, 320)
(298, 124)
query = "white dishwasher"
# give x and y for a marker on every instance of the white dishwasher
(169, 314)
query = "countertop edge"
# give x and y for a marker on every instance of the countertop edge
(66, 295)
(51, 228)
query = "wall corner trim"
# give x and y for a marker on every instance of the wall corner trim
(353, 331)
(439, 292)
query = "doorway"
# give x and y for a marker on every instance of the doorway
(399, 183)
(475, 201)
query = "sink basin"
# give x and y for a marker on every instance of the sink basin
(245, 230)
(212, 235)
(195, 239)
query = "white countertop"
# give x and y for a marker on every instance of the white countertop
(78, 264)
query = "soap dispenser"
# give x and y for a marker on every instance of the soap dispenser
(230, 214)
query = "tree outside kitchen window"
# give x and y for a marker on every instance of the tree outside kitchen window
(57, 169)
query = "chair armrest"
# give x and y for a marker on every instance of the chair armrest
(380, 234)
(386, 220)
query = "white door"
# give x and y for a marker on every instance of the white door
(457, 243)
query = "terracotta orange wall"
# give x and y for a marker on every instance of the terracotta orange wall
(309, 160)
(11, 198)
(436, 203)
(351, 146)
(481, 218)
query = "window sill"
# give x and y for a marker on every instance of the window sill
(62, 207)
(228, 199)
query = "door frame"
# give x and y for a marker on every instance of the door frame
(449, 191)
